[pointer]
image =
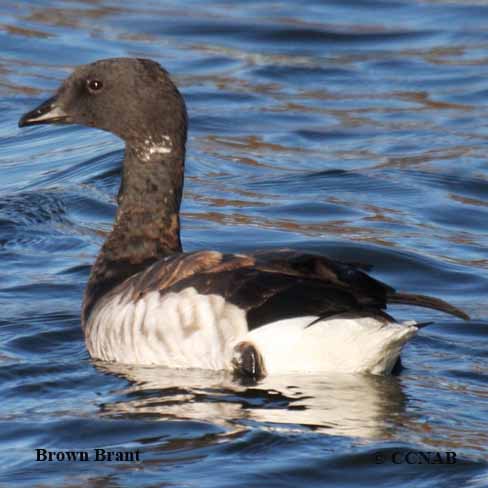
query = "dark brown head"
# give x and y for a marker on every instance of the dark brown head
(132, 98)
(136, 100)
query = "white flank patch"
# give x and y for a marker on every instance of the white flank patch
(180, 330)
(338, 344)
(190, 330)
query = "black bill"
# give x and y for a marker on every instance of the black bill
(46, 113)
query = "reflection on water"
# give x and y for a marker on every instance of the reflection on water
(351, 405)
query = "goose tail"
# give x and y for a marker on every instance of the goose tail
(427, 302)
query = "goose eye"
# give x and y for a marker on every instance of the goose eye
(94, 85)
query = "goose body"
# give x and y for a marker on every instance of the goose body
(148, 302)
(191, 330)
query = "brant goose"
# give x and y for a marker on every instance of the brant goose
(148, 302)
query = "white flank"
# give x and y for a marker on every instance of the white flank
(179, 330)
(338, 344)
(189, 330)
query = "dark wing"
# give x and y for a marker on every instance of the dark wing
(276, 285)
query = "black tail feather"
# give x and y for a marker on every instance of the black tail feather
(426, 302)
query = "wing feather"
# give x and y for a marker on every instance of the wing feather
(272, 286)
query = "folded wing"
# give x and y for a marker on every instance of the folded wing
(276, 285)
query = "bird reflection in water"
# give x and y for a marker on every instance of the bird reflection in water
(361, 406)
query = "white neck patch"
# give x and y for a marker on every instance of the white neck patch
(151, 148)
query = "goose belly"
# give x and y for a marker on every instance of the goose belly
(179, 330)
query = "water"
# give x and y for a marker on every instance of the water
(355, 129)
